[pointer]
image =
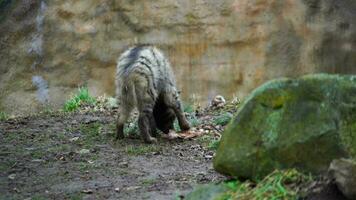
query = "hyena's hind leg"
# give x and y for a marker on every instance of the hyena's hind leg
(124, 114)
(146, 122)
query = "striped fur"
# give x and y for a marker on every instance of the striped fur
(144, 79)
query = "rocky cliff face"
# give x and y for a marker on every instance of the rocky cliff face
(230, 47)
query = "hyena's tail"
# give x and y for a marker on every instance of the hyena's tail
(127, 94)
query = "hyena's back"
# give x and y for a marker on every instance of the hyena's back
(140, 66)
(145, 80)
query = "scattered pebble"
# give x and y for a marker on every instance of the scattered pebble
(87, 191)
(12, 176)
(208, 156)
(123, 164)
(74, 139)
(133, 188)
(37, 160)
(218, 101)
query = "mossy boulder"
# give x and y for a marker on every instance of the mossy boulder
(301, 123)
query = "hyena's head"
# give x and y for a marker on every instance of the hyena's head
(163, 114)
(173, 98)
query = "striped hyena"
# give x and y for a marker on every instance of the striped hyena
(144, 79)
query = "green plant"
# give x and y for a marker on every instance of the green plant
(3, 116)
(148, 182)
(90, 134)
(214, 144)
(131, 129)
(278, 185)
(188, 108)
(223, 119)
(82, 97)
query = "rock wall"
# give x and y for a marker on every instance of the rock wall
(228, 47)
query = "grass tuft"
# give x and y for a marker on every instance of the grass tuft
(223, 119)
(278, 185)
(188, 108)
(3, 116)
(82, 97)
(214, 144)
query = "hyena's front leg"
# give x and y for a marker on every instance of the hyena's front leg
(174, 103)
(182, 120)
(119, 131)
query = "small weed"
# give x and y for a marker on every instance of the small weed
(77, 196)
(141, 149)
(131, 129)
(60, 148)
(38, 154)
(188, 108)
(37, 197)
(92, 133)
(214, 144)
(194, 121)
(7, 165)
(85, 166)
(82, 97)
(12, 137)
(47, 111)
(148, 182)
(209, 142)
(223, 119)
(3, 116)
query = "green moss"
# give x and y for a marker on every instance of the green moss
(291, 122)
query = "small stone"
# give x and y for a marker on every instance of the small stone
(218, 101)
(343, 171)
(37, 160)
(133, 188)
(208, 156)
(74, 139)
(87, 191)
(117, 189)
(123, 164)
(12, 176)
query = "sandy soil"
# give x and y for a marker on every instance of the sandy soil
(73, 156)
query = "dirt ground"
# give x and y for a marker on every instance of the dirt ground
(73, 156)
(57, 155)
